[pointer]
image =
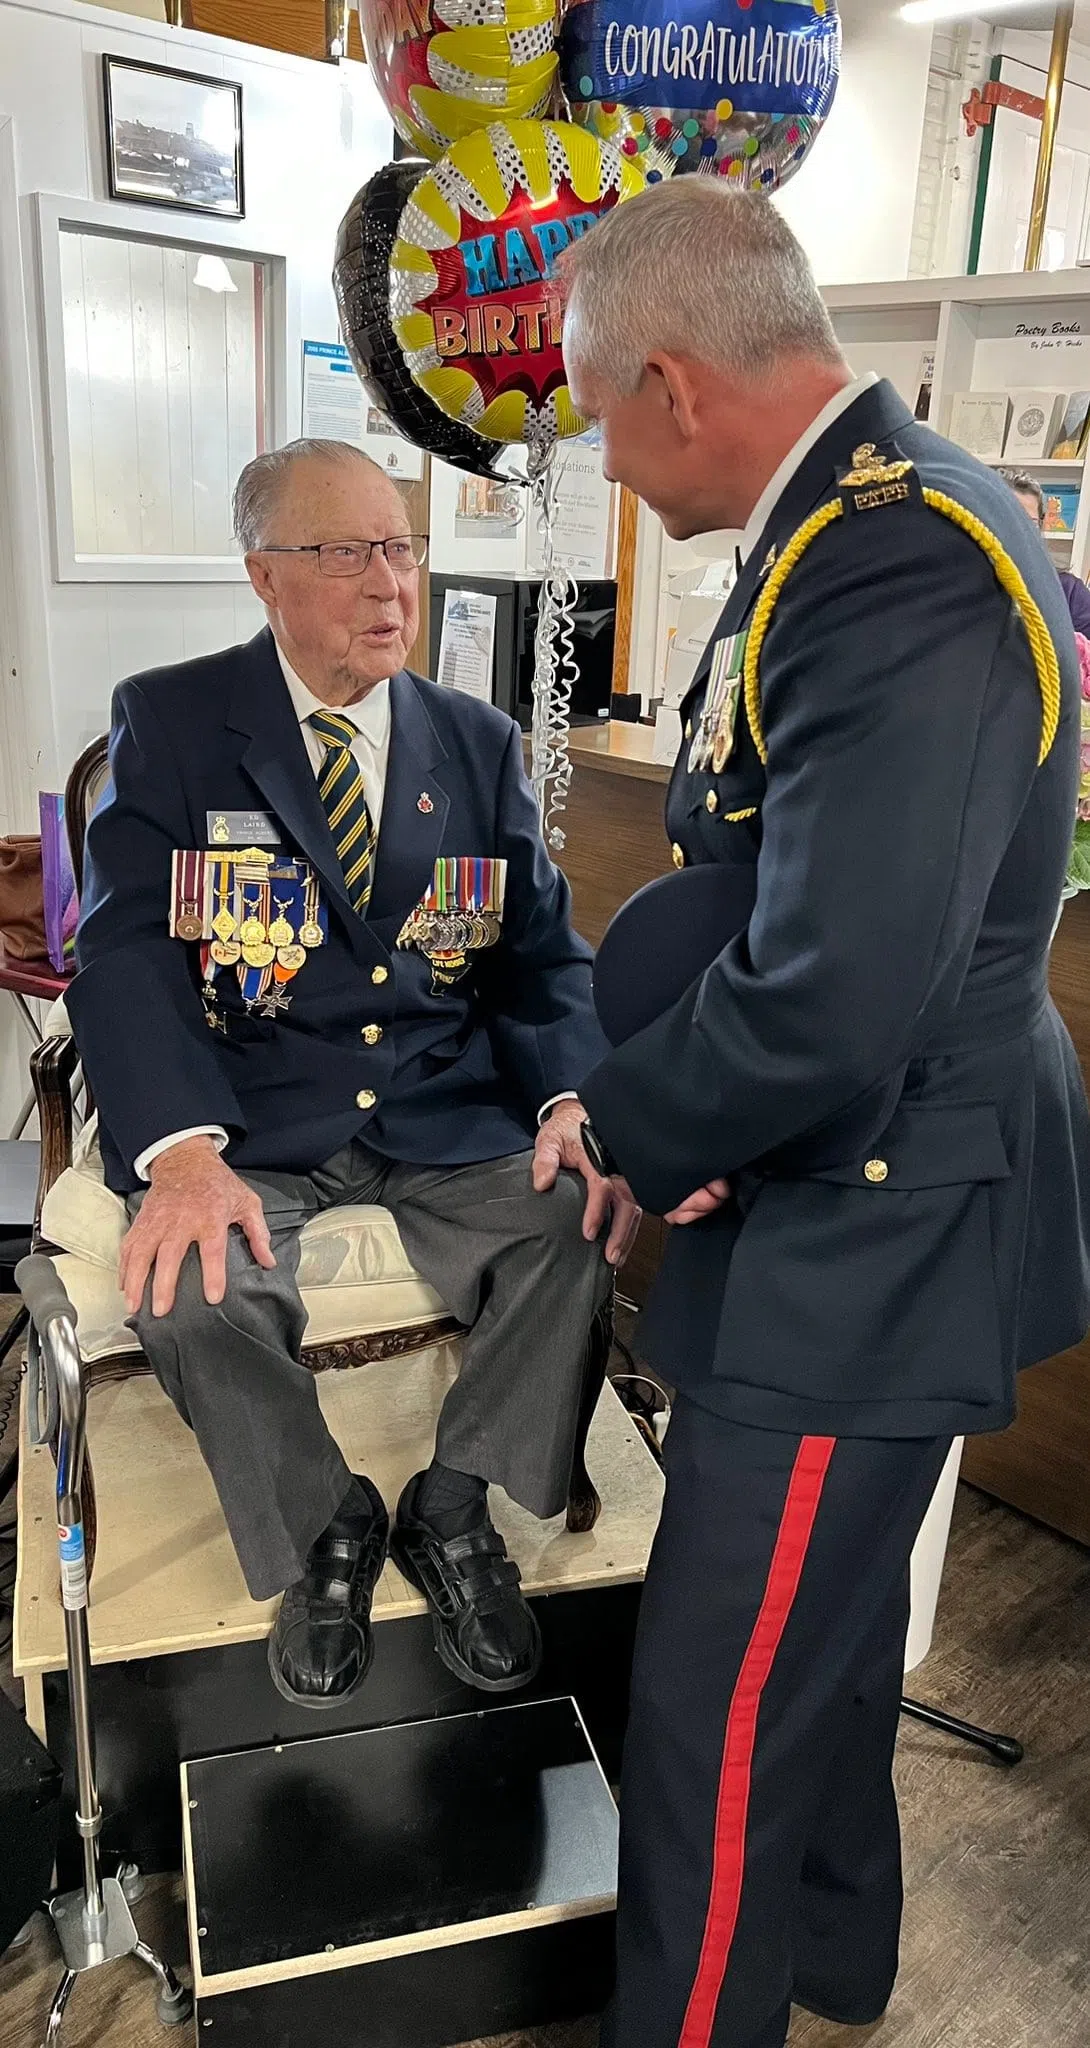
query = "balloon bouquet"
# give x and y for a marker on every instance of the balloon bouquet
(444, 261)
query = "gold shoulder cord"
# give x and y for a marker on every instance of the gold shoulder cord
(1007, 575)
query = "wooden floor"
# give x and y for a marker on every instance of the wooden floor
(997, 1935)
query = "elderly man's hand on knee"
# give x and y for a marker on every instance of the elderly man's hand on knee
(558, 1146)
(193, 1199)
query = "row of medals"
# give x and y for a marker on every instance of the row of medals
(713, 742)
(449, 931)
(256, 944)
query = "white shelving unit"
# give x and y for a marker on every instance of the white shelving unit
(984, 333)
(1008, 333)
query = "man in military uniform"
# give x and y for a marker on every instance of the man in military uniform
(864, 1117)
(381, 1000)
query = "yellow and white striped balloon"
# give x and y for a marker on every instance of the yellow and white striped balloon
(448, 67)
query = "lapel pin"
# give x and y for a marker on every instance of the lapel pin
(424, 803)
(769, 561)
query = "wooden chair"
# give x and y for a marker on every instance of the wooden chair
(384, 1311)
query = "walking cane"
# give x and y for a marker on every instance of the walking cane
(94, 1925)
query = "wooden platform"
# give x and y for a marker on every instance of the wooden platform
(166, 1577)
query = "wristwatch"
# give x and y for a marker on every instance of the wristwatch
(599, 1154)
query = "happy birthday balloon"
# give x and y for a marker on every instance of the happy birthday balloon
(739, 88)
(448, 67)
(361, 284)
(470, 297)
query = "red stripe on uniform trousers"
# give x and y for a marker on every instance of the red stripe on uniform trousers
(732, 1809)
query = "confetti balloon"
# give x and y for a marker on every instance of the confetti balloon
(361, 282)
(470, 293)
(736, 88)
(447, 67)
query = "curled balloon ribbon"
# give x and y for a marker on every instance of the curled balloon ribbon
(556, 670)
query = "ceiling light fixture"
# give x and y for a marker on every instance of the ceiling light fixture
(213, 274)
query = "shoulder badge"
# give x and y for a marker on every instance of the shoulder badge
(873, 480)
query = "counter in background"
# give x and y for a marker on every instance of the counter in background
(616, 835)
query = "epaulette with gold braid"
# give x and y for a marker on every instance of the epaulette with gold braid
(871, 483)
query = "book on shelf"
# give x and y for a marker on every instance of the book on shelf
(926, 385)
(1035, 417)
(1061, 510)
(1070, 441)
(978, 422)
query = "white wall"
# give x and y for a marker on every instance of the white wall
(312, 134)
(852, 203)
(1014, 158)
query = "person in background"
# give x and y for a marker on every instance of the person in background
(1031, 497)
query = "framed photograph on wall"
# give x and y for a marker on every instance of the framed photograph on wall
(173, 138)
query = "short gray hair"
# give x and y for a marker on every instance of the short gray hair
(258, 489)
(697, 270)
(1027, 486)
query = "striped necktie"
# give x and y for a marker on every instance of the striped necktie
(340, 786)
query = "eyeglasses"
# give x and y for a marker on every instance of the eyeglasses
(404, 553)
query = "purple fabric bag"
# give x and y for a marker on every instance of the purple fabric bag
(58, 886)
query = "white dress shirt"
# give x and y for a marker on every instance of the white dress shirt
(794, 459)
(371, 749)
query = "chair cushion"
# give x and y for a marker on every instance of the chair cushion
(57, 1022)
(354, 1276)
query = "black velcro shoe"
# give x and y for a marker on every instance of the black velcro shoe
(484, 1631)
(322, 1644)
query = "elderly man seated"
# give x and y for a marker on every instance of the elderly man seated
(324, 958)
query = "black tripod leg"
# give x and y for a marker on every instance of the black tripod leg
(1004, 1748)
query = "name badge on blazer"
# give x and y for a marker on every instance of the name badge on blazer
(241, 828)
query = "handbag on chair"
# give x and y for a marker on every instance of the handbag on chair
(22, 901)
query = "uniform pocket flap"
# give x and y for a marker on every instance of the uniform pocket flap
(930, 1148)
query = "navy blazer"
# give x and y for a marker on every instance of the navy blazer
(873, 1060)
(459, 1073)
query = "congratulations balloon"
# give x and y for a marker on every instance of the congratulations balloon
(361, 283)
(470, 295)
(735, 87)
(447, 67)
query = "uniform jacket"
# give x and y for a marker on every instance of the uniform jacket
(458, 1073)
(874, 1061)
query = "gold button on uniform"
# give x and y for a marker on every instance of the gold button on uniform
(876, 1172)
(366, 1099)
(678, 855)
(371, 1034)
(379, 975)
(688, 728)
(711, 801)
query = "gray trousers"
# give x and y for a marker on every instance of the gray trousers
(510, 1264)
